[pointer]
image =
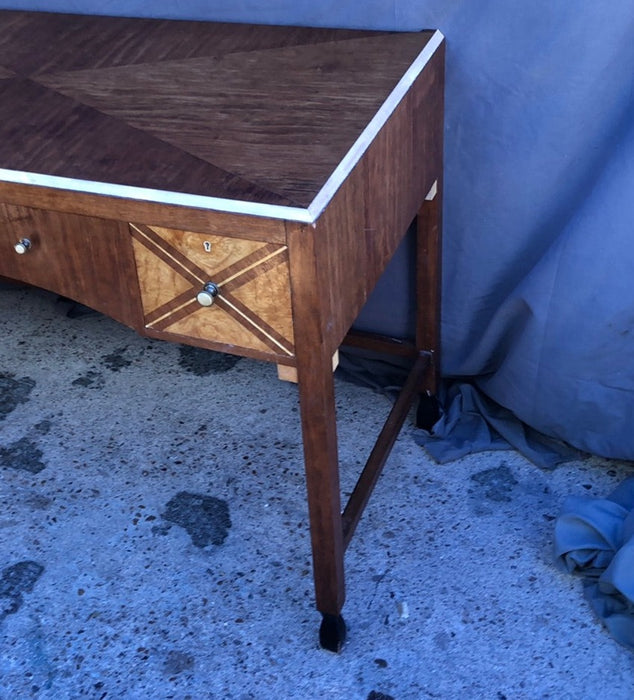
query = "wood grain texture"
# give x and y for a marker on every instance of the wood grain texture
(220, 223)
(248, 114)
(429, 287)
(43, 131)
(252, 311)
(368, 216)
(84, 258)
(258, 114)
(319, 426)
(80, 42)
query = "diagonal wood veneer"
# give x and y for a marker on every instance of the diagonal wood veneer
(252, 309)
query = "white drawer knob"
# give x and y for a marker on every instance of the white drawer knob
(207, 294)
(22, 246)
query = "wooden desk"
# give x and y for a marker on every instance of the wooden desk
(240, 188)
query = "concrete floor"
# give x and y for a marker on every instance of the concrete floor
(154, 542)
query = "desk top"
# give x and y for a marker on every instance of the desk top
(246, 118)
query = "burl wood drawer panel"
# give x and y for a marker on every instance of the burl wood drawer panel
(84, 258)
(249, 315)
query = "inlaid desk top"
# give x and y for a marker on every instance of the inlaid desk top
(241, 118)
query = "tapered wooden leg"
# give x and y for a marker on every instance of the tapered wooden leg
(428, 301)
(319, 431)
(317, 405)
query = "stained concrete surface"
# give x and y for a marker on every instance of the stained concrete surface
(154, 539)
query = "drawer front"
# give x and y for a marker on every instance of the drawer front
(83, 258)
(249, 309)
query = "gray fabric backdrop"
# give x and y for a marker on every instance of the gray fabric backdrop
(538, 299)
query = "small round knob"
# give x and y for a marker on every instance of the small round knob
(22, 246)
(207, 294)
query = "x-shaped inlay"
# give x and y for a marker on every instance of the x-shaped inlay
(236, 274)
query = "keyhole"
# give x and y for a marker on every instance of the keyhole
(207, 246)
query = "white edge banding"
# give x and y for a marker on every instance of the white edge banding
(237, 206)
(353, 156)
(144, 194)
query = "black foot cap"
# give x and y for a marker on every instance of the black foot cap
(428, 412)
(332, 633)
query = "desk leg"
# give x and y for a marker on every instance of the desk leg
(319, 433)
(319, 430)
(428, 299)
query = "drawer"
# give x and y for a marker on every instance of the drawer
(83, 258)
(246, 308)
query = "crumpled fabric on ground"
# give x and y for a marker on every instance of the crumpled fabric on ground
(594, 538)
(471, 422)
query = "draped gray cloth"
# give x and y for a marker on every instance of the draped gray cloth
(594, 538)
(471, 422)
(538, 307)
